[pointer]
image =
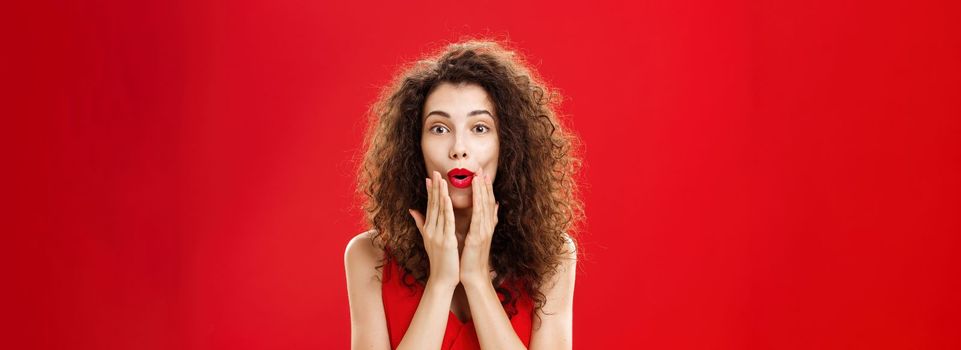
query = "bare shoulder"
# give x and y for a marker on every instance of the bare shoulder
(554, 328)
(568, 259)
(571, 253)
(362, 254)
(568, 266)
(560, 285)
(368, 323)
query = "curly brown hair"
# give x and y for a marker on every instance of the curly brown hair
(536, 183)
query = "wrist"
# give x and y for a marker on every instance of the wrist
(475, 280)
(440, 285)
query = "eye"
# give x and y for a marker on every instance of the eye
(437, 127)
(484, 127)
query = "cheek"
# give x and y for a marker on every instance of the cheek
(430, 155)
(492, 161)
(489, 151)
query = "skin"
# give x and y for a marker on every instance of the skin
(457, 231)
(459, 131)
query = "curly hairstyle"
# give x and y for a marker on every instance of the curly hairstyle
(535, 185)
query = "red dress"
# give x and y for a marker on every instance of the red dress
(400, 304)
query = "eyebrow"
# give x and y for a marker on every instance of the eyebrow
(471, 114)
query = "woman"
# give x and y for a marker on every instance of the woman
(469, 188)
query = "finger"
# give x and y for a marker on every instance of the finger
(438, 202)
(485, 201)
(432, 205)
(492, 202)
(476, 199)
(448, 215)
(427, 180)
(418, 219)
(450, 223)
(441, 208)
(429, 197)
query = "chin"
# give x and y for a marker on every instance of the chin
(460, 202)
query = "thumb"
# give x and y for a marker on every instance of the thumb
(418, 218)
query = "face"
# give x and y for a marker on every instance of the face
(459, 133)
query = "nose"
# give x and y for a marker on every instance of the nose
(458, 155)
(458, 151)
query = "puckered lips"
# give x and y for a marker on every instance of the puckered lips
(460, 177)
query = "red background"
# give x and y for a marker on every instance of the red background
(759, 174)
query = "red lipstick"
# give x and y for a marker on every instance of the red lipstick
(460, 177)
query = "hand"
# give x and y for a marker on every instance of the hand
(475, 259)
(437, 230)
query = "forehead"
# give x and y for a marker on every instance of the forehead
(458, 100)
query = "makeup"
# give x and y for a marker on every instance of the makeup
(460, 177)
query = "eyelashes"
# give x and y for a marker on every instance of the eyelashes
(486, 129)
